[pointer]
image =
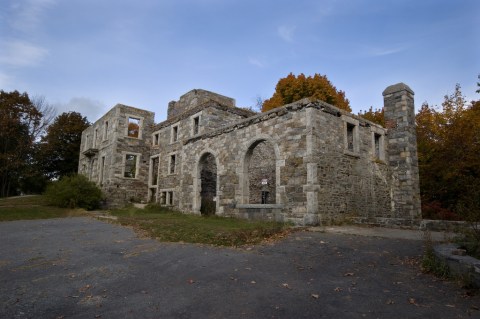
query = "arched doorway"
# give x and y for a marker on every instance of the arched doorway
(208, 184)
(261, 176)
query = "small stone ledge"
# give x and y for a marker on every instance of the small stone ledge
(259, 206)
(463, 266)
(417, 224)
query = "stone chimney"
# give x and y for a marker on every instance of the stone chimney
(402, 151)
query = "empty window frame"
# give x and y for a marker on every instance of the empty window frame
(172, 164)
(196, 125)
(102, 171)
(166, 198)
(95, 135)
(174, 134)
(378, 146)
(87, 141)
(131, 165)
(156, 139)
(133, 129)
(351, 136)
(105, 131)
(163, 198)
(154, 163)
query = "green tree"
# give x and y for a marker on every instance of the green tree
(74, 191)
(19, 122)
(293, 88)
(60, 147)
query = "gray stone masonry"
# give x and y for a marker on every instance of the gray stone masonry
(400, 121)
(317, 163)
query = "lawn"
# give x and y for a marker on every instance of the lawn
(171, 226)
(157, 222)
(32, 207)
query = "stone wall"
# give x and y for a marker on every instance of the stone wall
(320, 163)
(107, 156)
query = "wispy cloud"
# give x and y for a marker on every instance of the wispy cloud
(377, 51)
(286, 32)
(26, 16)
(19, 53)
(256, 62)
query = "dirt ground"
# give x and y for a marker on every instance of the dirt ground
(85, 268)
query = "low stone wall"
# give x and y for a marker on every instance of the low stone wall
(459, 265)
(420, 224)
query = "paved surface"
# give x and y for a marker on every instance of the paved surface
(85, 268)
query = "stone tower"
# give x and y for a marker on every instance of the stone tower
(402, 150)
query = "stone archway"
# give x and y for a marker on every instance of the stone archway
(208, 184)
(261, 173)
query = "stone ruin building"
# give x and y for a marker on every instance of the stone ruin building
(307, 162)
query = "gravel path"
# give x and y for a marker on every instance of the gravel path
(85, 268)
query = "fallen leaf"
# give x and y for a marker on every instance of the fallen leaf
(348, 274)
(253, 282)
(286, 286)
(412, 301)
(190, 281)
(338, 289)
(390, 302)
(451, 306)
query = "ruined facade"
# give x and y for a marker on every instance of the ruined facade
(307, 162)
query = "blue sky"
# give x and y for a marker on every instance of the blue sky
(88, 55)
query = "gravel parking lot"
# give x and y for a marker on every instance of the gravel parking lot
(85, 268)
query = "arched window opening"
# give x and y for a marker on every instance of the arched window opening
(261, 173)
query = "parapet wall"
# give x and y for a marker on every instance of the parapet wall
(195, 98)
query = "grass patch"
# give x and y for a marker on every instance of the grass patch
(171, 226)
(31, 207)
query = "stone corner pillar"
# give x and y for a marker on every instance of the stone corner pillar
(399, 113)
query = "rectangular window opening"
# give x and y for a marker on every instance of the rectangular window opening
(156, 139)
(87, 141)
(130, 166)
(174, 134)
(377, 138)
(151, 195)
(102, 170)
(350, 137)
(173, 159)
(196, 124)
(105, 132)
(163, 198)
(133, 127)
(170, 198)
(95, 135)
(154, 173)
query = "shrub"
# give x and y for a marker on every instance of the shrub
(74, 191)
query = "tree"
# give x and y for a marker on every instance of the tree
(19, 120)
(448, 147)
(293, 88)
(60, 147)
(376, 116)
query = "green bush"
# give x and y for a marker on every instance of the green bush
(74, 191)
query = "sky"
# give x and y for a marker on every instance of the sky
(88, 55)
